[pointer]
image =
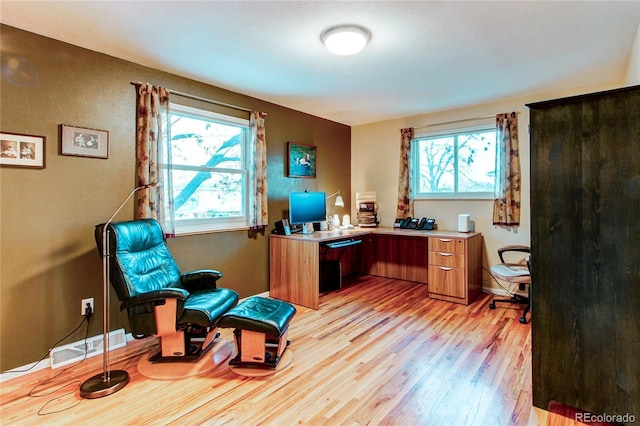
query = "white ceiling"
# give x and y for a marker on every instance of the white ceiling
(423, 56)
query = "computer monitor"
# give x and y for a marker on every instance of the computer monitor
(307, 207)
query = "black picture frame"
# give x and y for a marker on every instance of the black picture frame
(302, 160)
(84, 142)
(21, 150)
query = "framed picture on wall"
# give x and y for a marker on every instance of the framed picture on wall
(82, 142)
(22, 150)
(302, 160)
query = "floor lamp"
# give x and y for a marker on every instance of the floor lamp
(109, 381)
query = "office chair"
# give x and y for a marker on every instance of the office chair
(182, 309)
(514, 273)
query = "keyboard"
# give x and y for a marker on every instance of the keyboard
(342, 243)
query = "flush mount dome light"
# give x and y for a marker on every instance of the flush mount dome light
(345, 39)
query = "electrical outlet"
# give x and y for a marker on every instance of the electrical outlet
(84, 305)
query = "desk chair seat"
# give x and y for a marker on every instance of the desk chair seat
(514, 273)
(182, 309)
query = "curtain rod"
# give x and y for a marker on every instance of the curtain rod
(198, 98)
(458, 121)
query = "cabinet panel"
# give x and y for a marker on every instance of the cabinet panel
(585, 240)
(447, 281)
(400, 257)
(368, 257)
(454, 260)
(294, 269)
(450, 245)
(455, 268)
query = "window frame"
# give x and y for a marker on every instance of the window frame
(216, 224)
(455, 195)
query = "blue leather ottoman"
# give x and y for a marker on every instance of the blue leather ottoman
(261, 327)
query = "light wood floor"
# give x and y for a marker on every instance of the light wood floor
(378, 351)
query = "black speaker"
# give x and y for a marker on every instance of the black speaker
(282, 227)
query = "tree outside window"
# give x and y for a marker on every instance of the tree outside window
(458, 165)
(209, 169)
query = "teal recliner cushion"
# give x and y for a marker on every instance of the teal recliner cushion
(207, 306)
(143, 257)
(260, 314)
(144, 275)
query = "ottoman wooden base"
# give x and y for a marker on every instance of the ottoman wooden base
(261, 329)
(241, 370)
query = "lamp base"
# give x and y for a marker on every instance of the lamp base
(97, 387)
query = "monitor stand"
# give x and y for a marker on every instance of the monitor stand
(307, 228)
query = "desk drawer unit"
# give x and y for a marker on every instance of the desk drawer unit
(443, 258)
(455, 268)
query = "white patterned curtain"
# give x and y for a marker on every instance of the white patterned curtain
(258, 212)
(405, 195)
(506, 206)
(153, 151)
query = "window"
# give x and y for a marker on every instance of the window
(210, 169)
(455, 164)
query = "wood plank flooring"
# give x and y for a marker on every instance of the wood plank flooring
(378, 352)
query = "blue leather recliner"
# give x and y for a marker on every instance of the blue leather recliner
(182, 309)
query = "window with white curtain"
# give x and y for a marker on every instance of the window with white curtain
(455, 163)
(210, 170)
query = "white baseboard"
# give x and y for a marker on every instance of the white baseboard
(501, 292)
(25, 369)
(496, 291)
(46, 363)
(72, 353)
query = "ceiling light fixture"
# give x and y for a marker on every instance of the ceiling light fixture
(345, 39)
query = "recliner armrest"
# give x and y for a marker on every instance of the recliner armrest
(155, 296)
(203, 279)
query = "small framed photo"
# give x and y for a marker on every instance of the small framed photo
(22, 150)
(82, 142)
(301, 160)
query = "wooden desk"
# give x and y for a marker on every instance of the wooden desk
(294, 261)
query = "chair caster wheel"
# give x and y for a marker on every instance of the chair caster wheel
(492, 305)
(523, 320)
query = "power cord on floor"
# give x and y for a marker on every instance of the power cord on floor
(75, 383)
(45, 356)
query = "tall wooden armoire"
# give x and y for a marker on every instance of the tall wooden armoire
(585, 251)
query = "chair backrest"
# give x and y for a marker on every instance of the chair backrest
(140, 260)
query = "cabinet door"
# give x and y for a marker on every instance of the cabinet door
(401, 257)
(447, 281)
(585, 246)
(368, 258)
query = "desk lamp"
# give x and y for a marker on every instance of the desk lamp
(339, 200)
(109, 381)
(339, 203)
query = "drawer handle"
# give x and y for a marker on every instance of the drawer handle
(445, 254)
(445, 268)
(445, 240)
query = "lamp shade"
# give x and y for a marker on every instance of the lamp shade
(339, 200)
(345, 39)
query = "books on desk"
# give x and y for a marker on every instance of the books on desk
(367, 203)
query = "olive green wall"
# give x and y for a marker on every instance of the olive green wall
(48, 259)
